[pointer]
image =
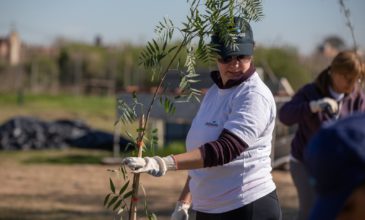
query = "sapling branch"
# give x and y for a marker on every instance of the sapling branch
(347, 13)
(165, 72)
(135, 185)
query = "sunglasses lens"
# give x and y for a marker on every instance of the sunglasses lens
(241, 57)
(225, 59)
(229, 59)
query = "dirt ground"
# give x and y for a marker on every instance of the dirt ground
(36, 191)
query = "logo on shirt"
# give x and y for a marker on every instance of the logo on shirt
(211, 123)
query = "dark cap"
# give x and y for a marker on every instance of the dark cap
(244, 40)
(335, 159)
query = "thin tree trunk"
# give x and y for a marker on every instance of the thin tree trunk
(134, 199)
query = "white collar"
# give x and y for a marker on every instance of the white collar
(336, 95)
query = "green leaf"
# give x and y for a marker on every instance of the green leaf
(129, 135)
(128, 194)
(112, 187)
(129, 146)
(117, 204)
(193, 80)
(171, 49)
(152, 217)
(122, 189)
(164, 46)
(156, 45)
(150, 48)
(113, 200)
(166, 105)
(123, 171)
(172, 109)
(106, 199)
(183, 83)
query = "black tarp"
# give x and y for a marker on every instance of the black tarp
(22, 133)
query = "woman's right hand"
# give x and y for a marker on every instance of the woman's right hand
(324, 104)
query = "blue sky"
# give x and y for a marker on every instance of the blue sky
(299, 23)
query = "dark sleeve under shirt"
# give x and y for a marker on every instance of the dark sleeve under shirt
(222, 151)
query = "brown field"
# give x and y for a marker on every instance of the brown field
(44, 191)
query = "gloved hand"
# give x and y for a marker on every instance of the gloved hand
(324, 104)
(155, 166)
(181, 211)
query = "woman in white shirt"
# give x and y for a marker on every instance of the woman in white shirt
(228, 144)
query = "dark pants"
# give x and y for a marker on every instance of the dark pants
(265, 208)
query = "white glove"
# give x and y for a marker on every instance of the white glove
(155, 166)
(181, 211)
(323, 104)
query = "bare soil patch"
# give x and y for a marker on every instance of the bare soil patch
(44, 191)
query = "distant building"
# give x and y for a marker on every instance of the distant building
(10, 47)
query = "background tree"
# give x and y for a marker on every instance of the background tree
(42, 73)
(284, 62)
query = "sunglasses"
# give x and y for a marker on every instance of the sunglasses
(229, 59)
